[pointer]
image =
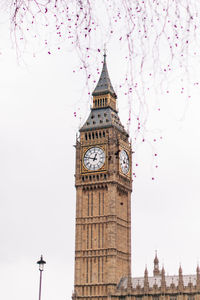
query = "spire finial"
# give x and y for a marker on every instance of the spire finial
(156, 270)
(198, 269)
(163, 283)
(146, 280)
(180, 278)
(104, 51)
(146, 271)
(104, 86)
(180, 269)
(198, 276)
(156, 261)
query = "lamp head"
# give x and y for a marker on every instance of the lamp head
(41, 263)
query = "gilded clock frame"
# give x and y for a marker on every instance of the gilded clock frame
(84, 150)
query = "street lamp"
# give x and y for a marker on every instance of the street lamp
(41, 264)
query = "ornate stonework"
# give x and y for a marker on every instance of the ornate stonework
(103, 214)
(103, 202)
(159, 286)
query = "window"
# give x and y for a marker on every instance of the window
(172, 297)
(87, 238)
(88, 204)
(91, 204)
(191, 297)
(99, 204)
(87, 270)
(91, 275)
(98, 269)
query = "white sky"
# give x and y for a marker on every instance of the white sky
(37, 194)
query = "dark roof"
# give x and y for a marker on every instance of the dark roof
(104, 85)
(103, 118)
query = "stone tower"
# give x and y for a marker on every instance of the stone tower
(103, 198)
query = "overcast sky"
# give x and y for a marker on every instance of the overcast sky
(37, 164)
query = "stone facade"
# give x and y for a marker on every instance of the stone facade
(103, 183)
(103, 202)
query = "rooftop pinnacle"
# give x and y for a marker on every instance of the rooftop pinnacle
(104, 85)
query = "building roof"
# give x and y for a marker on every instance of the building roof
(104, 85)
(156, 280)
(103, 118)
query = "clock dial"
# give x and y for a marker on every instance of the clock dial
(124, 161)
(94, 158)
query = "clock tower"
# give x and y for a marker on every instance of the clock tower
(103, 198)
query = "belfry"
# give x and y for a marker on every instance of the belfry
(103, 197)
(103, 181)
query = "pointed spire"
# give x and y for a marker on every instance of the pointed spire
(145, 271)
(198, 269)
(198, 277)
(104, 85)
(163, 271)
(156, 261)
(156, 270)
(180, 278)
(146, 280)
(180, 271)
(163, 282)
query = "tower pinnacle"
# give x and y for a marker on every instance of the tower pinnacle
(156, 270)
(104, 94)
(104, 85)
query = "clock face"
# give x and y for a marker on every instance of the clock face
(124, 161)
(94, 158)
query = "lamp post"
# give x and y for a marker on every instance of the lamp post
(41, 264)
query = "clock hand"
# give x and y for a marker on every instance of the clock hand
(88, 157)
(95, 157)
